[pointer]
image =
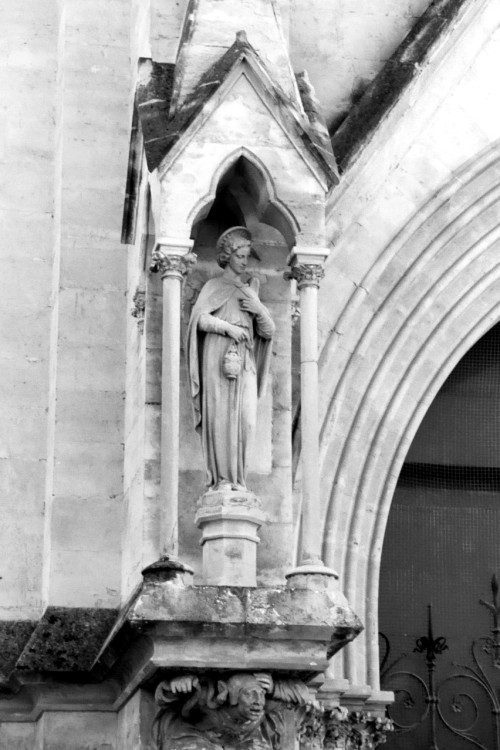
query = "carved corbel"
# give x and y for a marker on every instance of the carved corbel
(245, 709)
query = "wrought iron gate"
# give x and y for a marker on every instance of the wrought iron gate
(442, 705)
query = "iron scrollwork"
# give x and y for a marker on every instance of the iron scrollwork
(463, 705)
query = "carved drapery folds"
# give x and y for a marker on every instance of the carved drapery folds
(256, 711)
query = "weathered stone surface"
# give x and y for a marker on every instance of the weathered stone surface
(314, 622)
(210, 28)
(67, 640)
(13, 639)
(163, 132)
(225, 711)
(399, 70)
(153, 95)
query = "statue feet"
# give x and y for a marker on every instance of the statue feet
(223, 485)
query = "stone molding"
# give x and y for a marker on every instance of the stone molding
(122, 650)
(172, 265)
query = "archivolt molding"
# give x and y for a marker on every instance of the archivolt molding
(423, 303)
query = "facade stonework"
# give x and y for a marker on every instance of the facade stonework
(251, 283)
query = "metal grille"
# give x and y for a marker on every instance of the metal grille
(446, 705)
(441, 545)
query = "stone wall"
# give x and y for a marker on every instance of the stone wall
(27, 153)
(411, 283)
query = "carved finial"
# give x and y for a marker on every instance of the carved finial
(241, 36)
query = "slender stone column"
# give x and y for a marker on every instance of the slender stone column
(307, 269)
(173, 259)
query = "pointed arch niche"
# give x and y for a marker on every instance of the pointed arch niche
(242, 194)
(240, 156)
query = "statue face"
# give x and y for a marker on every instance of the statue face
(251, 701)
(238, 260)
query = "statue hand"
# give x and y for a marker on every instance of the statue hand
(184, 684)
(237, 333)
(265, 681)
(251, 305)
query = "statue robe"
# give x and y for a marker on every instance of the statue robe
(225, 411)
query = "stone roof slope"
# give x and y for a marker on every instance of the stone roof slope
(403, 67)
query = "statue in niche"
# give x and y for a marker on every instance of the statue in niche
(243, 712)
(229, 351)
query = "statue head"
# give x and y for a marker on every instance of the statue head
(247, 696)
(230, 241)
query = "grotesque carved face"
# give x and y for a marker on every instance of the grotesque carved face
(251, 701)
(238, 260)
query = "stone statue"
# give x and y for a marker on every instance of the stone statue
(229, 350)
(243, 712)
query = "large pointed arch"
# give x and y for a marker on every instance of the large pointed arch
(422, 304)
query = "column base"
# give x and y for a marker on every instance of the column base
(311, 576)
(229, 520)
(168, 568)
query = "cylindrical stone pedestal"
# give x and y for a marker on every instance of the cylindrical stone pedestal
(229, 521)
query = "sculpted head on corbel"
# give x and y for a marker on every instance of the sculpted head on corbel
(197, 712)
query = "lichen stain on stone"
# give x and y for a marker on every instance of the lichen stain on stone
(57, 643)
(233, 553)
(388, 87)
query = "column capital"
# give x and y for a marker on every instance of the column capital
(306, 265)
(172, 258)
(306, 274)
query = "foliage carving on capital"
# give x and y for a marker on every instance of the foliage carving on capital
(306, 274)
(311, 727)
(169, 264)
(218, 712)
(355, 730)
(139, 308)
